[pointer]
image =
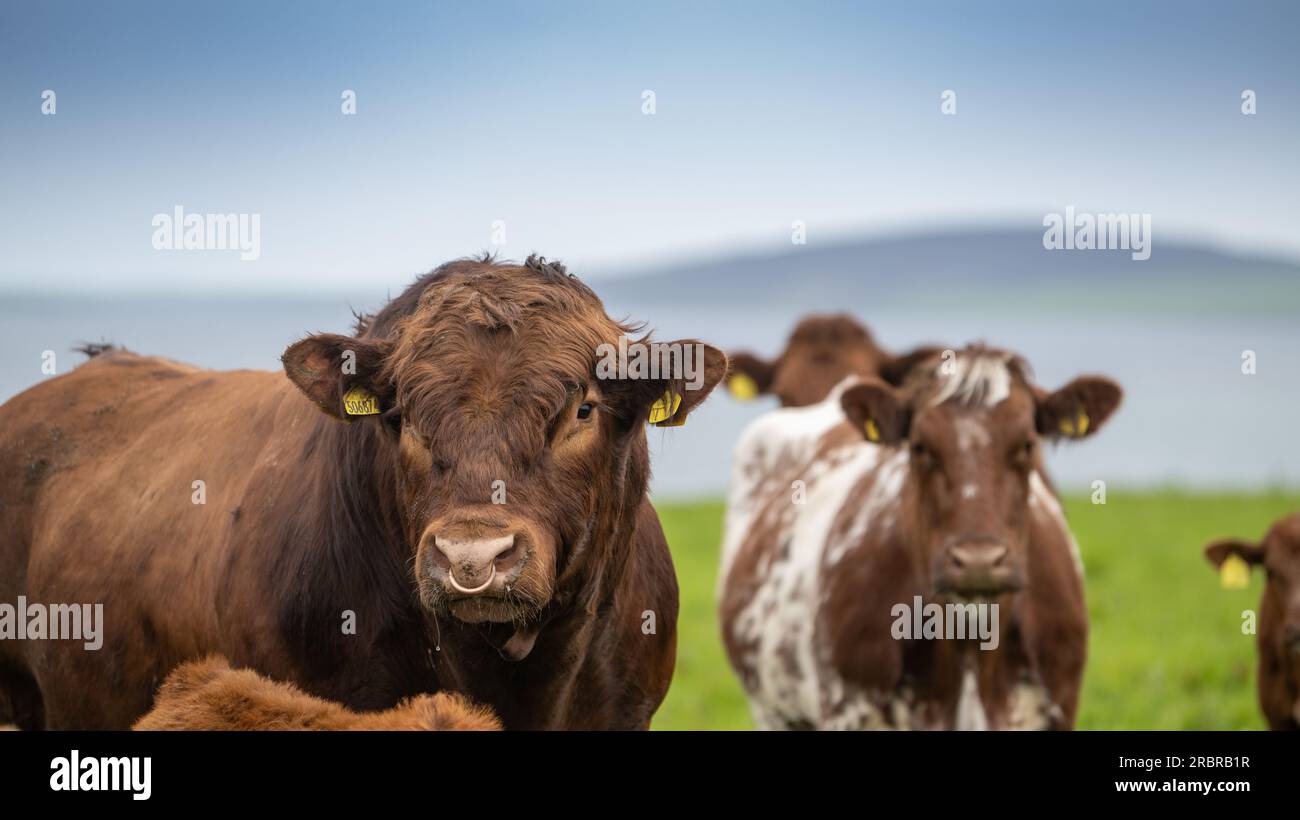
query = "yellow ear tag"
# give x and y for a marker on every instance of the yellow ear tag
(742, 387)
(659, 410)
(360, 402)
(1076, 428)
(1234, 572)
(873, 432)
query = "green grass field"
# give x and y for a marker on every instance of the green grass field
(1166, 649)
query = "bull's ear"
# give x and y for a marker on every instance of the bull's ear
(894, 369)
(666, 399)
(1216, 552)
(340, 374)
(876, 411)
(1079, 409)
(750, 376)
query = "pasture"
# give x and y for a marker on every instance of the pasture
(1166, 650)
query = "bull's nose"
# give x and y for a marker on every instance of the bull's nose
(980, 568)
(472, 564)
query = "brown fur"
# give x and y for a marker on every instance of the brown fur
(1278, 637)
(208, 695)
(311, 514)
(821, 351)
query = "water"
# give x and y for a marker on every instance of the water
(1190, 417)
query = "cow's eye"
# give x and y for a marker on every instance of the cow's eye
(1023, 453)
(584, 411)
(922, 456)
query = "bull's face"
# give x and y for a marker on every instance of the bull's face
(509, 447)
(819, 354)
(1279, 556)
(972, 427)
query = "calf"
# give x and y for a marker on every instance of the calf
(209, 695)
(845, 516)
(820, 352)
(1278, 640)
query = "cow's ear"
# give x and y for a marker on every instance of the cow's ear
(340, 374)
(667, 401)
(1079, 409)
(876, 411)
(1216, 552)
(750, 376)
(894, 369)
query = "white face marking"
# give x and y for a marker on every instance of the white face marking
(971, 435)
(969, 491)
(976, 380)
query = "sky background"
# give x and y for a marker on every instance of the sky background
(530, 113)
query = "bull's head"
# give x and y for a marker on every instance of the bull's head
(972, 425)
(512, 456)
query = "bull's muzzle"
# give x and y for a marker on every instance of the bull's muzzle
(476, 566)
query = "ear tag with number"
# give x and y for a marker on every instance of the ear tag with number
(1234, 572)
(360, 402)
(872, 431)
(660, 412)
(742, 387)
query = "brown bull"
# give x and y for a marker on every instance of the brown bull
(461, 505)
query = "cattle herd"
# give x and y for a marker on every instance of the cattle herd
(441, 521)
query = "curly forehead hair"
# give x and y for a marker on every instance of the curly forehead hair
(551, 325)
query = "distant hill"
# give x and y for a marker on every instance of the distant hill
(972, 268)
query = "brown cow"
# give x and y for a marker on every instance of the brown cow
(820, 352)
(208, 695)
(1278, 640)
(461, 505)
(854, 523)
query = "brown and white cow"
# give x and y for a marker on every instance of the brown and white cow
(820, 352)
(842, 512)
(459, 503)
(207, 695)
(1278, 639)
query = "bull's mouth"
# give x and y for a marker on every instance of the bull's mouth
(483, 609)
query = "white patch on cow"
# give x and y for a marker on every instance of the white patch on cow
(774, 445)
(1044, 502)
(970, 709)
(970, 490)
(979, 380)
(971, 434)
(876, 510)
(1031, 709)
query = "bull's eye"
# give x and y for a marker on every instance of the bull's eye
(392, 419)
(584, 411)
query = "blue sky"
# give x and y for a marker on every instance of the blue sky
(530, 113)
